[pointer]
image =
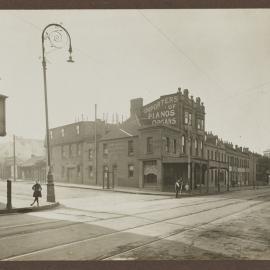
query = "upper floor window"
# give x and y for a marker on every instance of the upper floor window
(167, 147)
(149, 145)
(62, 132)
(208, 154)
(200, 124)
(65, 151)
(174, 146)
(183, 144)
(90, 154)
(196, 146)
(105, 149)
(77, 129)
(201, 148)
(188, 118)
(130, 148)
(70, 150)
(79, 149)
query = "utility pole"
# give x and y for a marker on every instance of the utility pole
(218, 160)
(14, 159)
(189, 156)
(96, 163)
(254, 173)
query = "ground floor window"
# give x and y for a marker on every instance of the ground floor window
(130, 170)
(90, 171)
(150, 178)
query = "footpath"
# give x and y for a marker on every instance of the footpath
(196, 192)
(21, 202)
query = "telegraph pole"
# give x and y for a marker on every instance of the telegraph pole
(96, 144)
(14, 159)
(189, 157)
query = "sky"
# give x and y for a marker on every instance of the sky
(222, 56)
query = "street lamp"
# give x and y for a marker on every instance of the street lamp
(57, 36)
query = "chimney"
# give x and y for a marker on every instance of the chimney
(198, 100)
(136, 105)
(186, 93)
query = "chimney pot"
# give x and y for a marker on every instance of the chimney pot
(186, 92)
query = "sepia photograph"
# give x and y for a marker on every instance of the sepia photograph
(134, 134)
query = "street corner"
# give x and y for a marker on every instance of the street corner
(48, 206)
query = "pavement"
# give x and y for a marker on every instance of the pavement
(22, 205)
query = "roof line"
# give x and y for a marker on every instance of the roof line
(126, 132)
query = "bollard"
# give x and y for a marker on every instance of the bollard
(9, 206)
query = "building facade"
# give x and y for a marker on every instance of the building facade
(34, 169)
(73, 151)
(160, 142)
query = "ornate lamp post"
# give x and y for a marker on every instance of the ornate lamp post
(57, 37)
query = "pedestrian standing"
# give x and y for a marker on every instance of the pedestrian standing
(177, 187)
(181, 185)
(37, 193)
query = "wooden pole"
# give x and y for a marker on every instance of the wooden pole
(96, 162)
(14, 159)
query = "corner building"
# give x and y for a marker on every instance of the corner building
(166, 139)
(161, 141)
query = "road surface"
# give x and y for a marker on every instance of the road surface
(102, 225)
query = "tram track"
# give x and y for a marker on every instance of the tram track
(152, 221)
(74, 243)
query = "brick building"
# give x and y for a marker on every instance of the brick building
(73, 151)
(165, 137)
(161, 141)
(218, 168)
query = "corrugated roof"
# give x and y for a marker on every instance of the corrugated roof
(129, 128)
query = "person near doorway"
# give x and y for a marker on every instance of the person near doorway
(37, 192)
(178, 187)
(187, 187)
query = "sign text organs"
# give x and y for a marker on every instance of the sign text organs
(162, 111)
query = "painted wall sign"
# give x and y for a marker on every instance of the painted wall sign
(161, 111)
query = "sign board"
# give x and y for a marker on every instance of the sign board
(163, 111)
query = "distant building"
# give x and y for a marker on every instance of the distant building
(7, 168)
(266, 153)
(34, 169)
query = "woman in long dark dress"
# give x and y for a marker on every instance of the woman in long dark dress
(37, 192)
